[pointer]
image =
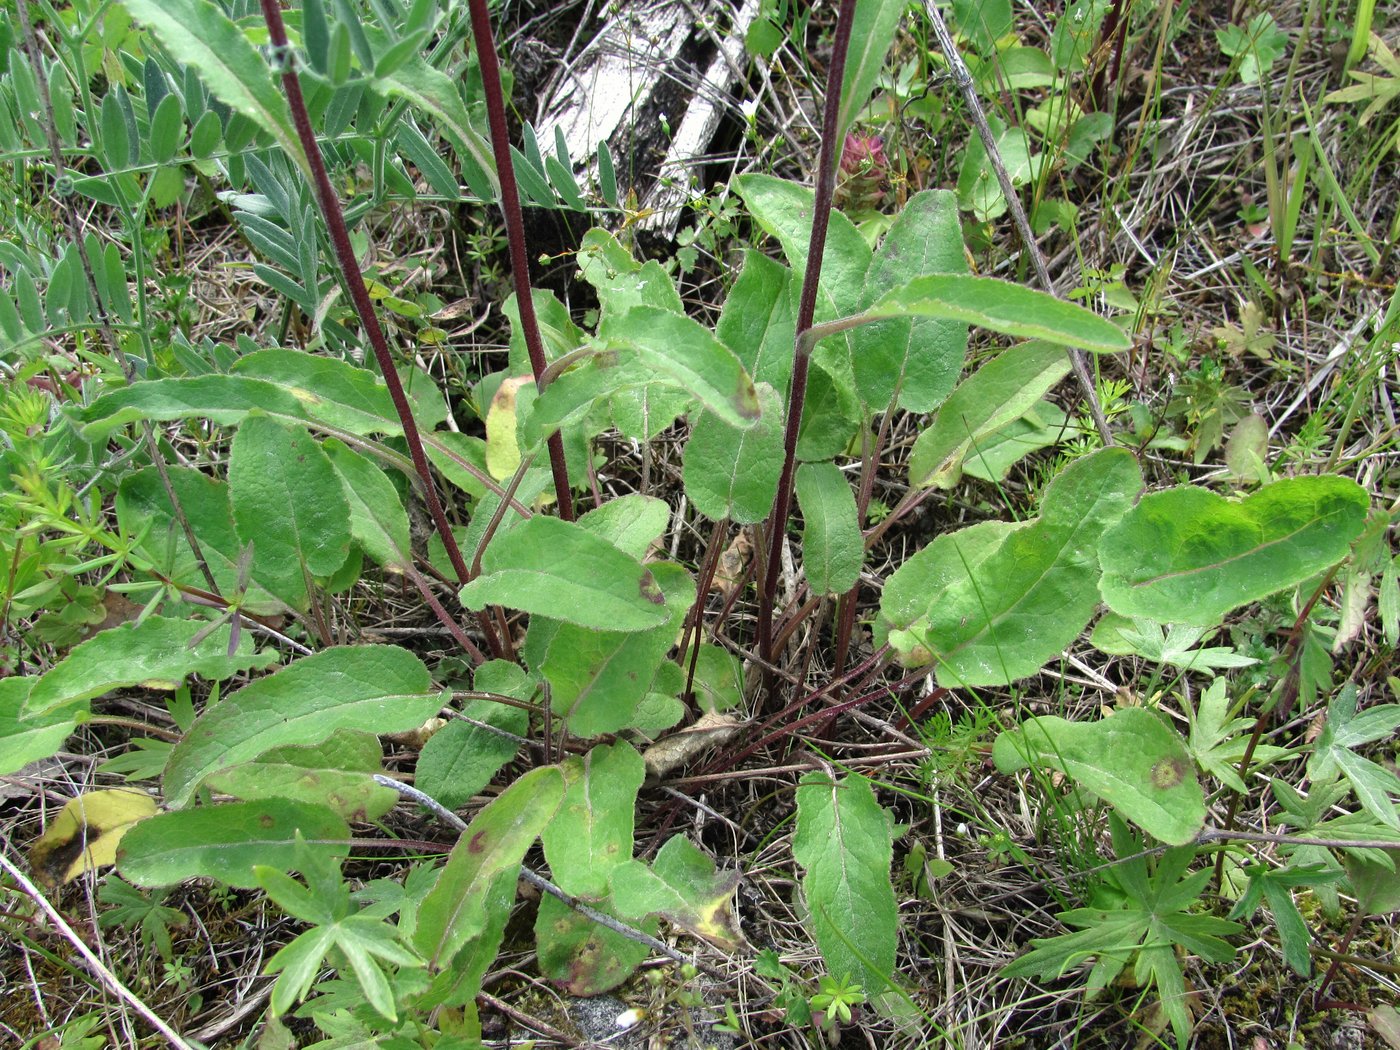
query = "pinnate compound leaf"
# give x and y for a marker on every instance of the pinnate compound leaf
(998, 393)
(454, 911)
(558, 569)
(28, 738)
(155, 652)
(833, 548)
(373, 688)
(680, 350)
(461, 758)
(433, 92)
(1131, 760)
(198, 34)
(85, 834)
(1189, 556)
(844, 841)
(287, 499)
(681, 886)
(731, 473)
(1006, 599)
(592, 832)
(1001, 306)
(921, 357)
(228, 842)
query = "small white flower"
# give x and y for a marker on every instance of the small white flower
(629, 1018)
(749, 108)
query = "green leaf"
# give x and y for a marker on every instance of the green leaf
(287, 499)
(833, 549)
(844, 841)
(434, 93)
(683, 352)
(329, 390)
(592, 832)
(992, 457)
(1187, 555)
(784, 209)
(1130, 760)
(337, 774)
(454, 911)
(759, 320)
(732, 473)
(373, 688)
(998, 601)
(631, 523)
(920, 357)
(622, 282)
(461, 758)
(144, 509)
(167, 122)
(156, 653)
(584, 957)
(25, 739)
(227, 842)
(681, 886)
(998, 393)
(599, 677)
(558, 569)
(872, 32)
(197, 33)
(217, 398)
(1001, 306)
(378, 521)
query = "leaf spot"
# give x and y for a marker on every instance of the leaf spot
(1168, 773)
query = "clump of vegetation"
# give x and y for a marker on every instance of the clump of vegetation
(793, 624)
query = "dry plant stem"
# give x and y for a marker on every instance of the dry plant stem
(963, 79)
(99, 970)
(31, 50)
(485, 42)
(359, 294)
(776, 527)
(697, 612)
(545, 886)
(1288, 694)
(529, 1021)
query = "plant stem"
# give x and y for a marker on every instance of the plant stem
(963, 79)
(515, 230)
(359, 295)
(776, 527)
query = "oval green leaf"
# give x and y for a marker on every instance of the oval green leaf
(1189, 556)
(1130, 760)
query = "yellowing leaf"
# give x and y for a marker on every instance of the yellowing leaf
(502, 449)
(85, 834)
